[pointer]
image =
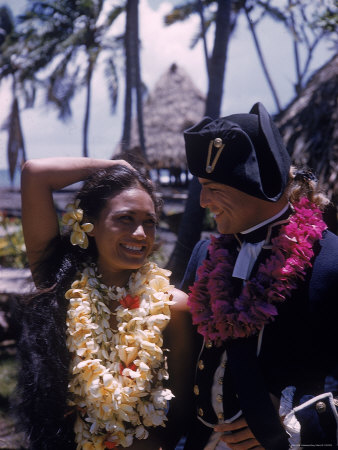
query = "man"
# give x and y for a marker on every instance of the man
(264, 295)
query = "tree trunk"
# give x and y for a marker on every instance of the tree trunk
(192, 220)
(138, 80)
(128, 79)
(133, 77)
(295, 50)
(16, 143)
(188, 234)
(203, 33)
(89, 76)
(218, 59)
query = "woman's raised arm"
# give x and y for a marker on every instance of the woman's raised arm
(40, 177)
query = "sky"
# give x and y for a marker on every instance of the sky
(244, 84)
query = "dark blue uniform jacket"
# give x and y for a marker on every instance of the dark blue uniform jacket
(299, 348)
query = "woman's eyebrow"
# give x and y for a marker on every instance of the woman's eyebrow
(132, 212)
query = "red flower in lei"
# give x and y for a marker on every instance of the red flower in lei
(130, 302)
(131, 366)
(215, 310)
(109, 444)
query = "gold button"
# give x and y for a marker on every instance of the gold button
(218, 142)
(220, 416)
(208, 344)
(200, 412)
(219, 398)
(224, 363)
(200, 364)
(320, 407)
(196, 390)
(220, 380)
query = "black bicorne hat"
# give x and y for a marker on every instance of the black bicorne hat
(244, 151)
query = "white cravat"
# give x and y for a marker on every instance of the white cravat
(249, 252)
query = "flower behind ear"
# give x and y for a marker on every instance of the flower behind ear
(72, 218)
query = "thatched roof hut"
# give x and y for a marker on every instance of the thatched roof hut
(173, 105)
(310, 127)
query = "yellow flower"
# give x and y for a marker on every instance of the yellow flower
(79, 236)
(73, 214)
(141, 432)
(127, 354)
(73, 217)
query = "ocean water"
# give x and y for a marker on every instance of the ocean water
(5, 181)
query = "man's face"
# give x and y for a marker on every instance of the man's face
(234, 210)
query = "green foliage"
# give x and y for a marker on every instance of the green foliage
(209, 223)
(328, 21)
(8, 376)
(180, 13)
(159, 256)
(12, 246)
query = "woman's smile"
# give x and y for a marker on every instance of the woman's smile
(136, 249)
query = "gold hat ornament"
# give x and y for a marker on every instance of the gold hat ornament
(217, 143)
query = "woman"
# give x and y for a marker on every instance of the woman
(93, 368)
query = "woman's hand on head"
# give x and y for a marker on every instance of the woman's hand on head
(123, 162)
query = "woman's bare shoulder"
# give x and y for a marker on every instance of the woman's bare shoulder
(180, 298)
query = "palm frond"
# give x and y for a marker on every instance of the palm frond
(273, 12)
(6, 23)
(15, 139)
(180, 13)
(198, 35)
(112, 83)
(61, 87)
(114, 14)
(29, 91)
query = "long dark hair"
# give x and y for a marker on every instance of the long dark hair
(43, 355)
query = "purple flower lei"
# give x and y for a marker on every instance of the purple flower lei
(215, 310)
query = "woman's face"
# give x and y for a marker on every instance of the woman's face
(124, 233)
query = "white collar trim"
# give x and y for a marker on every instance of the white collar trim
(271, 219)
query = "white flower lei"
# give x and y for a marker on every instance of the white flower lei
(116, 376)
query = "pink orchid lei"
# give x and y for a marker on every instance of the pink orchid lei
(218, 314)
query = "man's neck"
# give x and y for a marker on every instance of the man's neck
(268, 220)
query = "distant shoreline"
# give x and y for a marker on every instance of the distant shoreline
(10, 200)
(5, 181)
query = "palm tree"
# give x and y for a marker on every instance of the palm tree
(9, 69)
(60, 35)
